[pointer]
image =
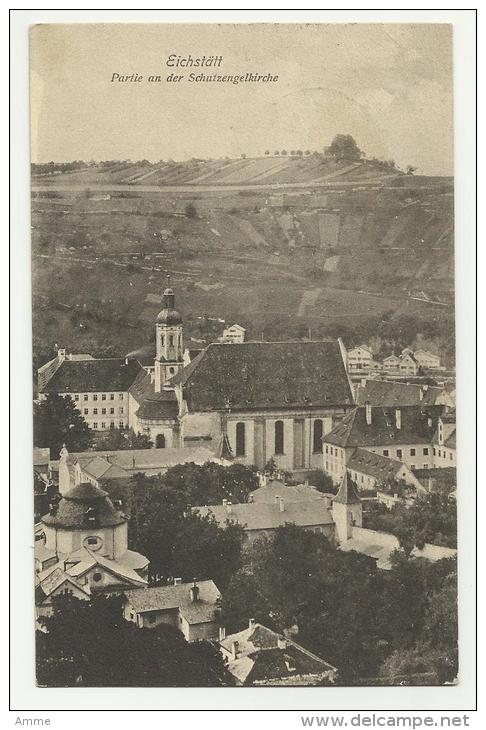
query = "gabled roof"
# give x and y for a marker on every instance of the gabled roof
(166, 598)
(266, 375)
(107, 465)
(93, 376)
(374, 465)
(56, 578)
(354, 431)
(260, 516)
(347, 493)
(88, 560)
(388, 393)
(264, 655)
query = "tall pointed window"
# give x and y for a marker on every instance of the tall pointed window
(317, 437)
(279, 437)
(240, 439)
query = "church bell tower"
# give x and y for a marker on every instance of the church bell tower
(168, 341)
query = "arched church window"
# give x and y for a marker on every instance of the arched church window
(162, 340)
(160, 441)
(171, 340)
(240, 439)
(279, 437)
(317, 436)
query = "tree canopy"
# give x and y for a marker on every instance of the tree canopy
(57, 421)
(90, 644)
(344, 147)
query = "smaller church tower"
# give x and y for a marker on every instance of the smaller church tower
(347, 511)
(168, 341)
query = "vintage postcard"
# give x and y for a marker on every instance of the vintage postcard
(244, 367)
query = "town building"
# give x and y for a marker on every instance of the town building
(261, 519)
(253, 402)
(102, 467)
(359, 359)
(427, 360)
(391, 365)
(444, 441)
(403, 433)
(193, 608)
(260, 657)
(266, 399)
(268, 493)
(107, 392)
(85, 537)
(391, 393)
(370, 471)
(233, 335)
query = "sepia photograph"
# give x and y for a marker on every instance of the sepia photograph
(243, 355)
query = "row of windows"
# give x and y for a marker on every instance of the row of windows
(279, 437)
(443, 454)
(334, 451)
(94, 396)
(103, 426)
(103, 411)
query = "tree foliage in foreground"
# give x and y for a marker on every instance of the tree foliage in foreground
(89, 644)
(57, 421)
(346, 610)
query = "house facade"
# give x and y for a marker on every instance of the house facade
(403, 433)
(233, 335)
(359, 359)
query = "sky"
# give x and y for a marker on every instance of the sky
(389, 86)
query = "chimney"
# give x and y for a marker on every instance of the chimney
(281, 642)
(126, 361)
(251, 623)
(425, 387)
(61, 355)
(222, 633)
(250, 498)
(363, 382)
(177, 581)
(234, 649)
(398, 418)
(368, 412)
(229, 509)
(281, 504)
(194, 590)
(429, 422)
(421, 393)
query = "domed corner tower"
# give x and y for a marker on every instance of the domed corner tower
(169, 347)
(86, 517)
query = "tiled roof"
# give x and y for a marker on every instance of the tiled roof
(93, 376)
(142, 386)
(71, 510)
(165, 598)
(353, 430)
(450, 441)
(121, 464)
(161, 405)
(347, 493)
(266, 375)
(259, 516)
(88, 559)
(374, 465)
(263, 656)
(387, 393)
(56, 578)
(289, 493)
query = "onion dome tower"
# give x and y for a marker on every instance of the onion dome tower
(169, 347)
(86, 517)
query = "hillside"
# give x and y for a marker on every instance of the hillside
(329, 253)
